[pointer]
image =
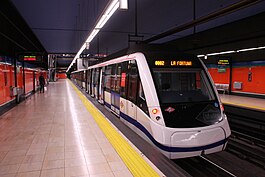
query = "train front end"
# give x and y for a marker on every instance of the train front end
(194, 119)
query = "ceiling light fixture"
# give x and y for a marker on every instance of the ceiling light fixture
(221, 53)
(109, 11)
(250, 49)
(231, 51)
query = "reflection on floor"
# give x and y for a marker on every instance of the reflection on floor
(52, 134)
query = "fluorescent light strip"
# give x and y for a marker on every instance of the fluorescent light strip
(250, 49)
(220, 53)
(92, 35)
(232, 51)
(106, 16)
(111, 6)
(114, 5)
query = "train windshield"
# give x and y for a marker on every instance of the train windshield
(182, 85)
(187, 99)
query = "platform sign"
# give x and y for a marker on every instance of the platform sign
(30, 58)
(222, 64)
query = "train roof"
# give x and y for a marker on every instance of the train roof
(149, 50)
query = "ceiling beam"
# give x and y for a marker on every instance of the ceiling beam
(227, 10)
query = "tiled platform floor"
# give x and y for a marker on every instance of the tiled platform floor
(53, 135)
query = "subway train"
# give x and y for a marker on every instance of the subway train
(167, 97)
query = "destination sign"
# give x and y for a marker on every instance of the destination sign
(172, 63)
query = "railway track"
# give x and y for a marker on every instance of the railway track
(201, 166)
(248, 148)
(246, 121)
(246, 142)
(248, 132)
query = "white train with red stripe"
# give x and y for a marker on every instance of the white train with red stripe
(167, 97)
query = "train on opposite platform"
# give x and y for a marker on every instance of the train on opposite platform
(167, 97)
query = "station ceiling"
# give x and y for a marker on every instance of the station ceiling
(63, 25)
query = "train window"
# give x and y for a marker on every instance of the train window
(96, 76)
(124, 71)
(117, 79)
(187, 85)
(132, 85)
(112, 77)
(141, 99)
(107, 80)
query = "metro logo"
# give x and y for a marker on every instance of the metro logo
(170, 109)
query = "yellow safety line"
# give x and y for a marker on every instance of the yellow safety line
(133, 160)
(244, 105)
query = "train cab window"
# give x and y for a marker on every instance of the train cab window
(189, 85)
(132, 84)
(141, 99)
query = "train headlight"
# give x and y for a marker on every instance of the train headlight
(155, 111)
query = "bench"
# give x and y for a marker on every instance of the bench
(222, 87)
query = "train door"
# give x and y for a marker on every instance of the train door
(101, 86)
(86, 87)
(83, 79)
(88, 83)
(115, 88)
(132, 89)
(95, 82)
(92, 82)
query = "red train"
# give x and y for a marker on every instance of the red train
(16, 82)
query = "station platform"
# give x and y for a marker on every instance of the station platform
(59, 133)
(243, 102)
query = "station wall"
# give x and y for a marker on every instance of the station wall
(61, 76)
(250, 74)
(7, 79)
